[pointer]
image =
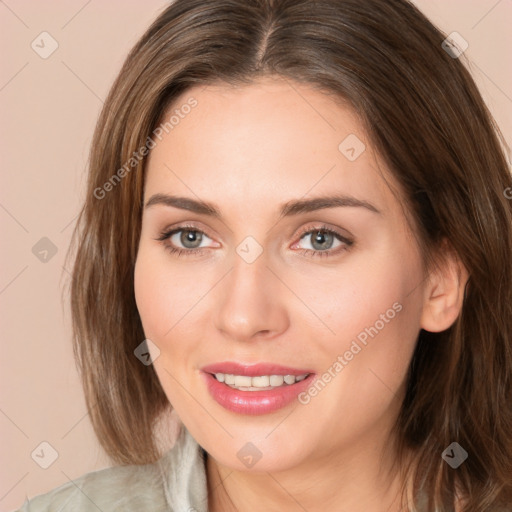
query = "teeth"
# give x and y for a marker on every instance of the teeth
(258, 383)
(277, 380)
(243, 381)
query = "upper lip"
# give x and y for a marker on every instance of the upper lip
(254, 370)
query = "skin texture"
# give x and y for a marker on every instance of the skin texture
(248, 150)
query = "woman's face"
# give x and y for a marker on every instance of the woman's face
(271, 288)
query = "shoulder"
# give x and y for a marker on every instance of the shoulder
(177, 481)
(117, 488)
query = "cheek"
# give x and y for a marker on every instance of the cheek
(369, 294)
(168, 297)
(161, 290)
(156, 299)
(374, 310)
(147, 292)
(159, 303)
(375, 318)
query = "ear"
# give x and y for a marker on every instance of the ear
(444, 292)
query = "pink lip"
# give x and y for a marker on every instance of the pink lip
(254, 402)
(253, 370)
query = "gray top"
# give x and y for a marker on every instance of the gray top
(175, 483)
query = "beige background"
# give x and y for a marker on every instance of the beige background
(48, 110)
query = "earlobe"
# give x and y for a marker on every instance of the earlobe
(444, 293)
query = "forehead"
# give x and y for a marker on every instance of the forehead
(250, 148)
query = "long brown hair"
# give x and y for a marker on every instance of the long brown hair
(425, 117)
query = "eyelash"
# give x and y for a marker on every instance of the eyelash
(165, 235)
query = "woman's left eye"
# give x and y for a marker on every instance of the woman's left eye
(322, 240)
(191, 238)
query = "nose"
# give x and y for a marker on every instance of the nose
(250, 302)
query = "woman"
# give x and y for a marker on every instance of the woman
(298, 235)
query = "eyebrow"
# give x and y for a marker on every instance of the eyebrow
(290, 208)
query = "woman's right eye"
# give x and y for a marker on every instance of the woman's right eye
(190, 239)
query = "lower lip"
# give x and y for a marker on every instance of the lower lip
(255, 402)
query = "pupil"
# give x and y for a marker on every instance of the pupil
(189, 236)
(321, 237)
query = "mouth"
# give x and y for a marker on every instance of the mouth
(259, 382)
(256, 389)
